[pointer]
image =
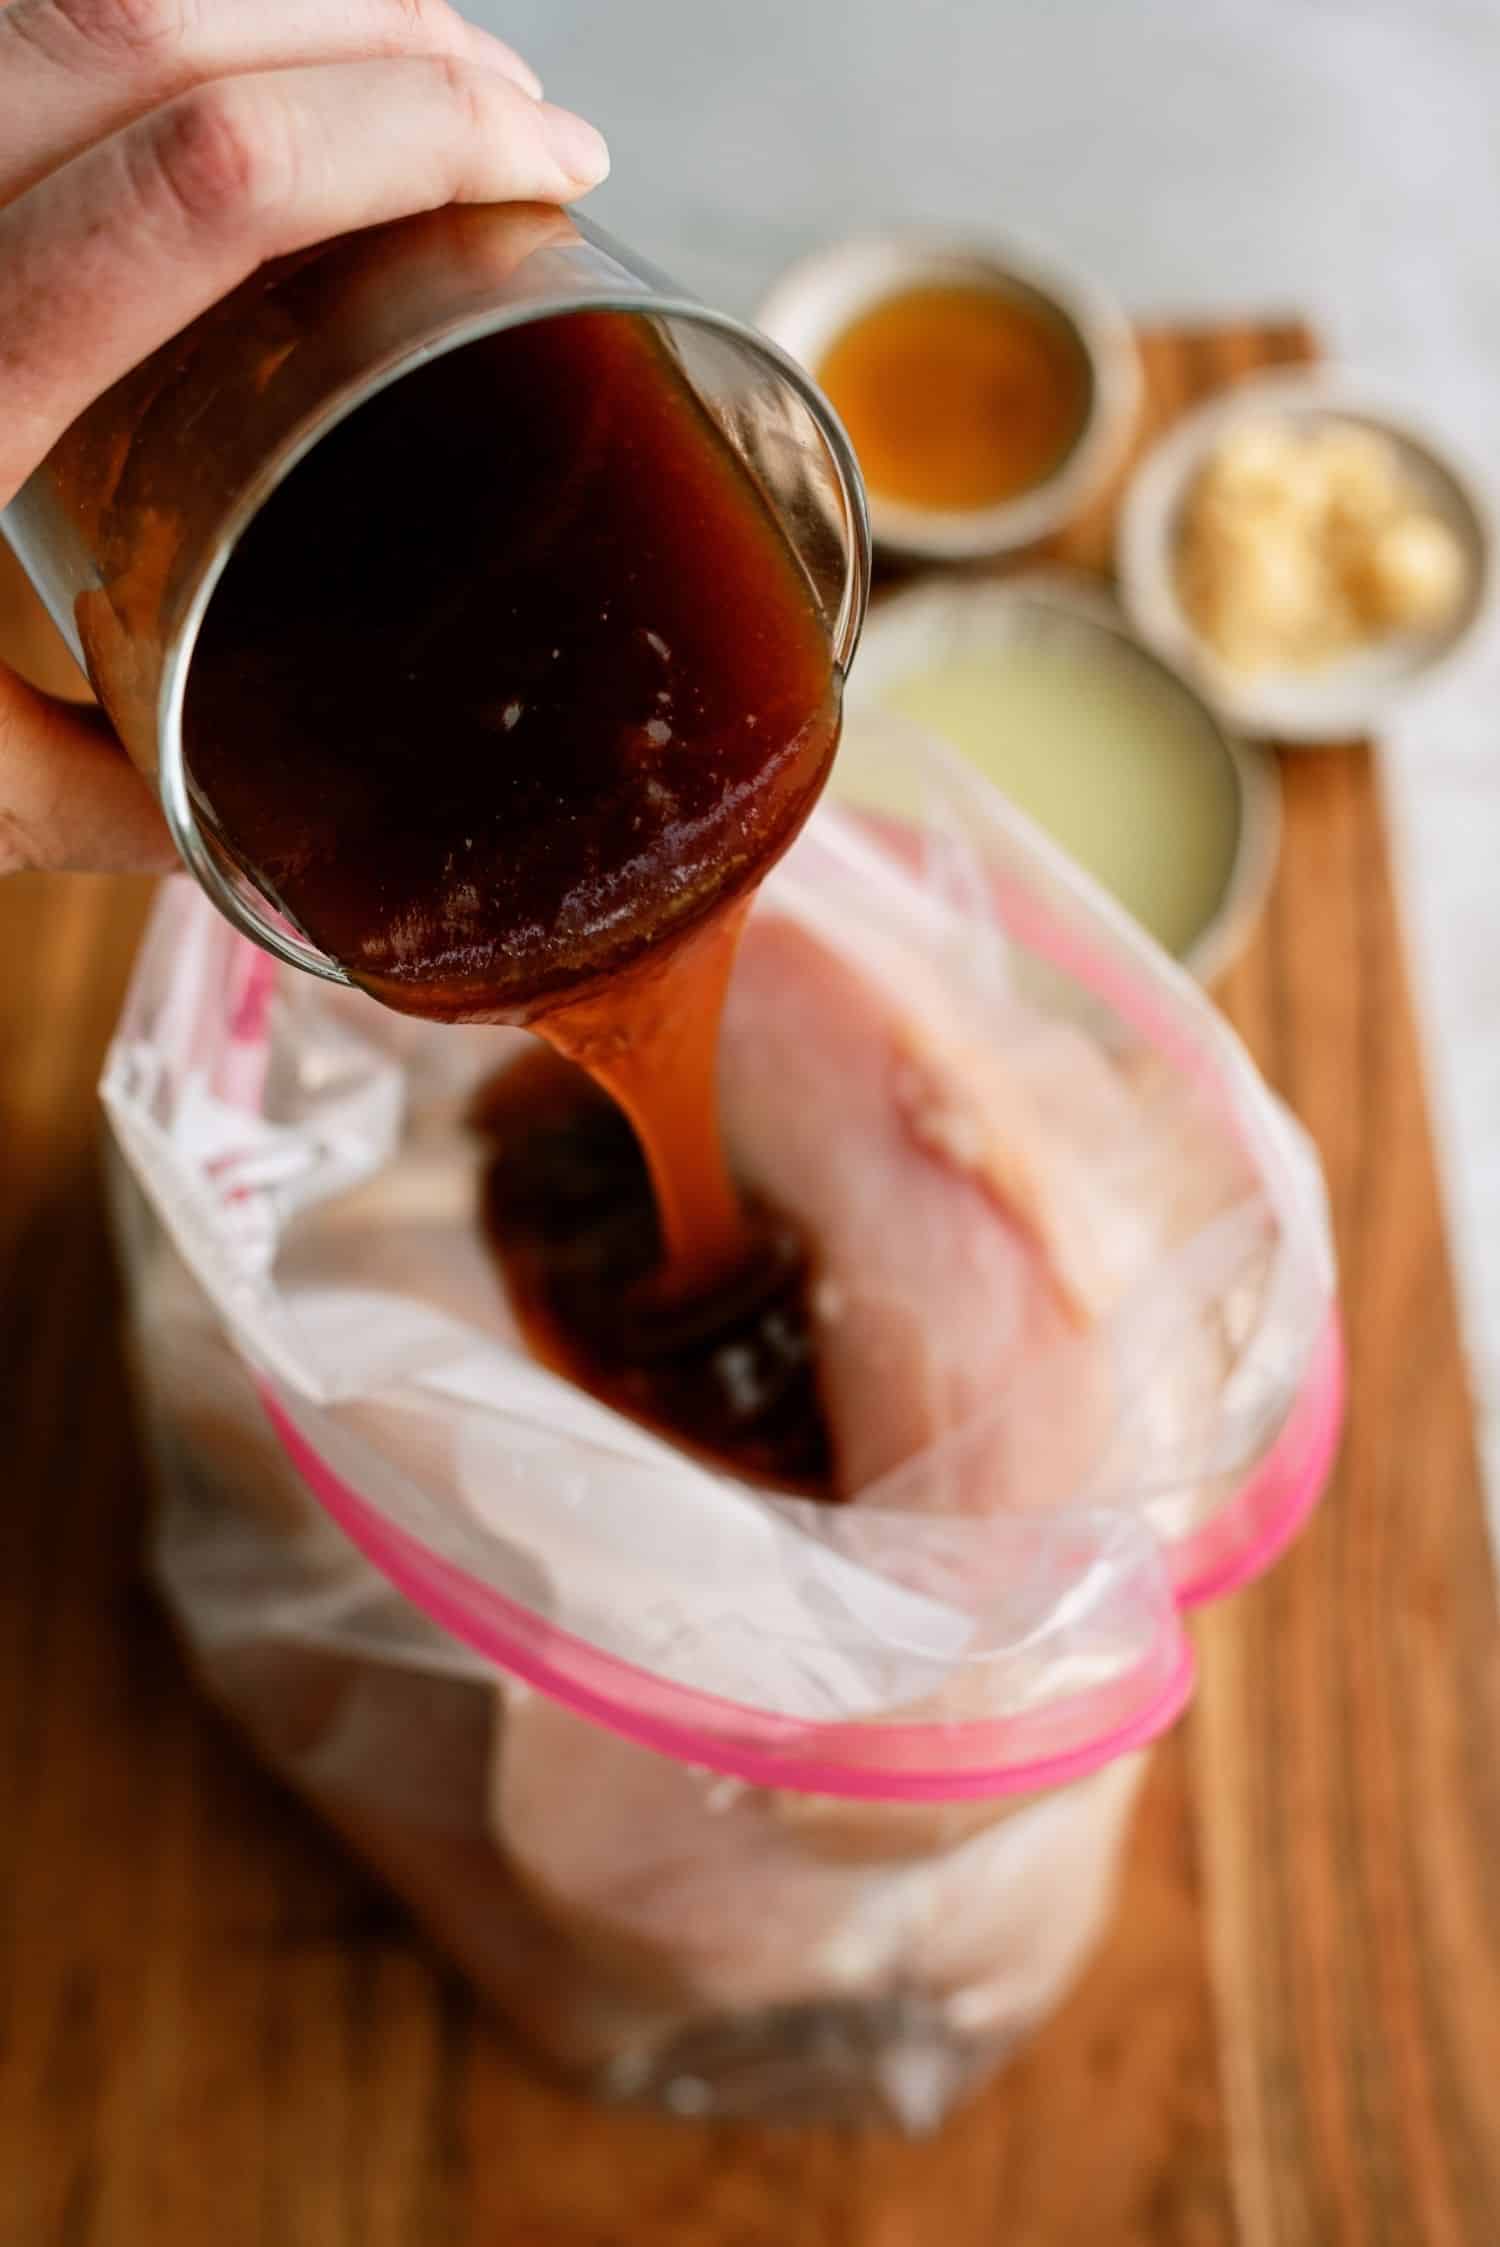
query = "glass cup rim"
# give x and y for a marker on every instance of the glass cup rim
(204, 859)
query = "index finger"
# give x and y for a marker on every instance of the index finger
(74, 71)
(106, 259)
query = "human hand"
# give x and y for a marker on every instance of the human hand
(153, 153)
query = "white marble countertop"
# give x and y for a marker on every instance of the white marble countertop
(1341, 161)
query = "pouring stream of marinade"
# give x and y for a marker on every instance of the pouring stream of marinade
(516, 744)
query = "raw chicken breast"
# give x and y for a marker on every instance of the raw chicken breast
(683, 1898)
(962, 1254)
(955, 1277)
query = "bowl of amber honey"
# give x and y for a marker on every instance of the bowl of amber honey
(988, 393)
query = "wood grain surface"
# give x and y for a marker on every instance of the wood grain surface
(215, 2031)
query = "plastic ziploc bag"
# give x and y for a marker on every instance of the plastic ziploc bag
(809, 1804)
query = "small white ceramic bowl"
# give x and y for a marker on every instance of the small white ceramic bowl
(1352, 694)
(913, 630)
(818, 298)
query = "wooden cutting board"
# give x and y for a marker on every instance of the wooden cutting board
(215, 2029)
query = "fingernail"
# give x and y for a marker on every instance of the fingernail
(578, 148)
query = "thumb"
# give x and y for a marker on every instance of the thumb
(70, 799)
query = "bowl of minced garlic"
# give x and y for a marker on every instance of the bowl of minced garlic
(1305, 554)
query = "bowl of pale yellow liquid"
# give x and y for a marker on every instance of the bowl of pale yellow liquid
(1038, 682)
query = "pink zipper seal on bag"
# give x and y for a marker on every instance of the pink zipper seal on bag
(902, 1762)
(1251, 1530)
